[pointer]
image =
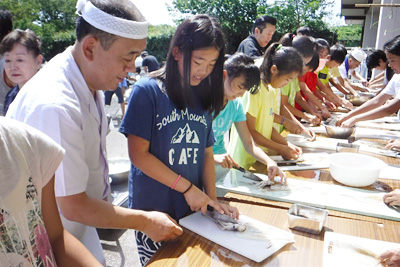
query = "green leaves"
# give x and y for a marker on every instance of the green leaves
(52, 20)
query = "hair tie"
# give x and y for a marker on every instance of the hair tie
(294, 35)
(278, 47)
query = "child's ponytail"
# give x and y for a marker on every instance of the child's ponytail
(286, 59)
(268, 62)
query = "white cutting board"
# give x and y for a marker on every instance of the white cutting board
(376, 133)
(342, 252)
(256, 250)
(320, 142)
(308, 161)
(320, 195)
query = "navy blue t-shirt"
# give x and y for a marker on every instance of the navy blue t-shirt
(151, 63)
(177, 137)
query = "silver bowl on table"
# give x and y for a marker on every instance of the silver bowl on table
(119, 170)
(338, 132)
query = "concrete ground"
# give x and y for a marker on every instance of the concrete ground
(119, 245)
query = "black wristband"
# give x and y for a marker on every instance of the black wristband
(190, 186)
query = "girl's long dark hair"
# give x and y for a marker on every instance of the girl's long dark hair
(393, 46)
(286, 59)
(195, 33)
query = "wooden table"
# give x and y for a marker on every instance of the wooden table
(191, 249)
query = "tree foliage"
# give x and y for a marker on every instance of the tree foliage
(291, 14)
(53, 20)
(158, 41)
(236, 16)
(349, 35)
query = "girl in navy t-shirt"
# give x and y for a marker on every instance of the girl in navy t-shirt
(168, 125)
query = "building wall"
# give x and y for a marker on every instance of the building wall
(371, 26)
(389, 25)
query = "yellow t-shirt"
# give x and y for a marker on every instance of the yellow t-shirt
(261, 106)
(334, 72)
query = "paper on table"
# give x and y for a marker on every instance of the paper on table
(346, 250)
(390, 172)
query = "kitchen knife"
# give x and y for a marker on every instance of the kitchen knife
(248, 174)
(252, 176)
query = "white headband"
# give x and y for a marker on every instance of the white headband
(108, 23)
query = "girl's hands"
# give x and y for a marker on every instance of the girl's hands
(233, 212)
(274, 170)
(392, 198)
(295, 148)
(330, 106)
(393, 145)
(314, 120)
(290, 152)
(347, 104)
(325, 113)
(198, 200)
(292, 127)
(348, 123)
(225, 160)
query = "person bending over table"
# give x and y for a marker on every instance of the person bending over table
(376, 108)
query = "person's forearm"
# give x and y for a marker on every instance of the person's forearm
(378, 79)
(319, 95)
(379, 112)
(357, 76)
(276, 137)
(310, 95)
(295, 111)
(338, 86)
(368, 106)
(99, 213)
(304, 105)
(70, 252)
(314, 108)
(263, 141)
(257, 153)
(349, 87)
(329, 95)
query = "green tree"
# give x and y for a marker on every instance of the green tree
(291, 14)
(349, 35)
(158, 41)
(53, 20)
(236, 16)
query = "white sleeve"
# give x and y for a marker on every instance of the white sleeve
(50, 155)
(343, 72)
(72, 175)
(393, 86)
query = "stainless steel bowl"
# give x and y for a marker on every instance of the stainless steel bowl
(358, 100)
(119, 170)
(339, 132)
(306, 218)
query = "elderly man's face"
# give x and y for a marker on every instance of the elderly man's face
(112, 66)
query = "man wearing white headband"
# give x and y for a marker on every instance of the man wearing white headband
(64, 101)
